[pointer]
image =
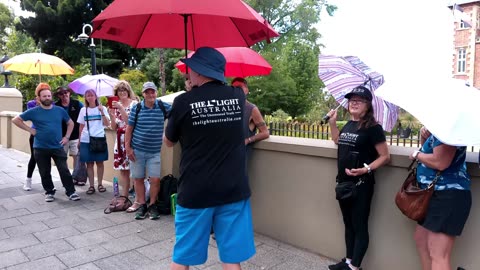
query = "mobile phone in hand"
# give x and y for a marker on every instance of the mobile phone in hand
(110, 101)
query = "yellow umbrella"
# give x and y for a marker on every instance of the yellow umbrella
(38, 63)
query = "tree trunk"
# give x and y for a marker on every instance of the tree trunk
(161, 64)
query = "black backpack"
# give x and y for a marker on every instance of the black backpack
(139, 107)
(168, 187)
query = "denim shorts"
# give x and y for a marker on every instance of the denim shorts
(232, 224)
(148, 163)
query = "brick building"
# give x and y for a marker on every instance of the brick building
(466, 59)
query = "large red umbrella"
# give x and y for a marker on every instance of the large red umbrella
(188, 24)
(241, 62)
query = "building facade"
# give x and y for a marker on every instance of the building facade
(467, 44)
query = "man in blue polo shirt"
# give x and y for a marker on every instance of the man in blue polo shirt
(143, 143)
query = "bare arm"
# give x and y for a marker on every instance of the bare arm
(65, 139)
(128, 141)
(382, 159)
(80, 129)
(105, 120)
(440, 159)
(167, 142)
(18, 121)
(261, 125)
(113, 118)
(333, 125)
(424, 134)
(70, 126)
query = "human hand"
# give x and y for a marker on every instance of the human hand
(130, 153)
(356, 172)
(111, 112)
(425, 133)
(333, 116)
(64, 141)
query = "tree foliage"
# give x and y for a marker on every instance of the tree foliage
(57, 23)
(293, 85)
(6, 22)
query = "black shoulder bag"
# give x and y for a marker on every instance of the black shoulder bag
(97, 144)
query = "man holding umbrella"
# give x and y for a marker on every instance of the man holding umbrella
(213, 188)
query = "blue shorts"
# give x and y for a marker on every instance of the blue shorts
(145, 162)
(232, 224)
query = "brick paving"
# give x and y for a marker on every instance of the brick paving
(63, 234)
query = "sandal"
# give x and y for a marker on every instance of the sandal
(134, 207)
(101, 188)
(90, 190)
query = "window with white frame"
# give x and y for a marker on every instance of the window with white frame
(461, 60)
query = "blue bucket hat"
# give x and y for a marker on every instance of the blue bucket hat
(207, 62)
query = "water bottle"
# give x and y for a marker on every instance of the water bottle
(116, 193)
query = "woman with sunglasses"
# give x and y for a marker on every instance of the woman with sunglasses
(362, 148)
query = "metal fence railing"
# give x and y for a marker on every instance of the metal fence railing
(317, 131)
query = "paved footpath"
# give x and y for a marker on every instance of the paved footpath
(63, 234)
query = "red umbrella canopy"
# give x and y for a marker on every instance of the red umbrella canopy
(179, 24)
(241, 62)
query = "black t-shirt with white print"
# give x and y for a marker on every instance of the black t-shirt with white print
(208, 122)
(356, 147)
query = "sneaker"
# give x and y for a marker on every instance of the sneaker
(153, 212)
(141, 212)
(49, 198)
(28, 184)
(339, 266)
(74, 197)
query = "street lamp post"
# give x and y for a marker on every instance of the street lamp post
(83, 36)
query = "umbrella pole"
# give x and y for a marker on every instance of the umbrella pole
(185, 22)
(326, 117)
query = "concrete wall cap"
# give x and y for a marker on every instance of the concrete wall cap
(10, 92)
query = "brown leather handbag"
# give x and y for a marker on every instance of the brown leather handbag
(411, 199)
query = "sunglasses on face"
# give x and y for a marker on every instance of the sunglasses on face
(357, 101)
(62, 93)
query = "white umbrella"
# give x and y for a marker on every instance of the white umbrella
(169, 98)
(101, 83)
(447, 107)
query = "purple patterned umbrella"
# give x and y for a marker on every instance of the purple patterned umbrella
(341, 74)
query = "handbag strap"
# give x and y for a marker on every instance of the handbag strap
(88, 126)
(434, 181)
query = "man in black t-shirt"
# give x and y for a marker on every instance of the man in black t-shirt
(213, 185)
(72, 107)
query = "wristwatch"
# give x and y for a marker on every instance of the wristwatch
(369, 170)
(415, 154)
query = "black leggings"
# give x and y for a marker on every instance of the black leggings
(31, 163)
(355, 214)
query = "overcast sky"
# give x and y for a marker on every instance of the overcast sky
(397, 38)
